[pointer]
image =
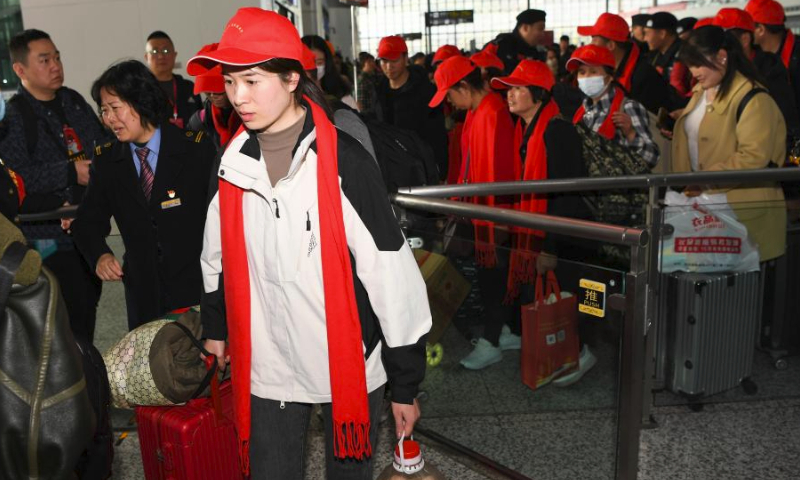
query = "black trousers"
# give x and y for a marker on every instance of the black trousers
(80, 288)
(278, 440)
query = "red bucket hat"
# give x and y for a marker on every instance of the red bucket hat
(729, 18)
(528, 73)
(610, 26)
(251, 37)
(486, 59)
(444, 52)
(767, 12)
(591, 55)
(391, 48)
(450, 72)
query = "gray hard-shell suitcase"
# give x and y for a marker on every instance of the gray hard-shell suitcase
(713, 323)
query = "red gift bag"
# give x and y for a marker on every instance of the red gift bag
(550, 344)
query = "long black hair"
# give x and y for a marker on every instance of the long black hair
(134, 84)
(331, 82)
(704, 44)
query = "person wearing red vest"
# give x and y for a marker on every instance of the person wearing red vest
(633, 72)
(306, 271)
(605, 109)
(772, 36)
(740, 24)
(487, 147)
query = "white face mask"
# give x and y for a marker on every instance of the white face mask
(592, 86)
(320, 72)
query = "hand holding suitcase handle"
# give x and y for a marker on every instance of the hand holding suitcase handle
(212, 365)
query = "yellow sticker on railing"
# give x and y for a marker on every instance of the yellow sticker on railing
(592, 299)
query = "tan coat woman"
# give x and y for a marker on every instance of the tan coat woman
(757, 140)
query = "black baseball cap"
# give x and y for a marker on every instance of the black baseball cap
(662, 21)
(640, 19)
(686, 24)
(531, 16)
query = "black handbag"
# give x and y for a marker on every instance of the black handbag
(46, 418)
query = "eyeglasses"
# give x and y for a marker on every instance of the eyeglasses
(163, 51)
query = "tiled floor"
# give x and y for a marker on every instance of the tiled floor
(555, 434)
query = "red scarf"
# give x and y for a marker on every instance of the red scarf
(345, 350)
(225, 130)
(525, 246)
(486, 147)
(626, 77)
(607, 129)
(788, 48)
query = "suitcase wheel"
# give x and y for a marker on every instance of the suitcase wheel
(781, 364)
(434, 354)
(749, 387)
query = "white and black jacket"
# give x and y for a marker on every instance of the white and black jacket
(288, 329)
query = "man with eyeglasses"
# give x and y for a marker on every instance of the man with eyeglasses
(50, 137)
(160, 57)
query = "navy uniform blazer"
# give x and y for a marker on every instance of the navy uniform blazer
(163, 237)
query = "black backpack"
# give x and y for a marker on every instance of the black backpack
(404, 158)
(96, 461)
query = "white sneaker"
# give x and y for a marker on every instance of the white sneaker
(509, 341)
(483, 355)
(586, 361)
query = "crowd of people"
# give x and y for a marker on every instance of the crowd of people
(254, 191)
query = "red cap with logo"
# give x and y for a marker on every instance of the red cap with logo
(450, 72)
(444, 52)
(610, 26)
(591, 55)
(391, 48)
(767, 12)
(309, 60)
(704, 22)
(528, 73)
(251, 37)
(485, 59)
(729, 18)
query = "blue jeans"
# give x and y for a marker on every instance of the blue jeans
(278, 440)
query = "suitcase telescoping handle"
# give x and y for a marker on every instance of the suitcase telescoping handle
(552, 287)
(212, 377)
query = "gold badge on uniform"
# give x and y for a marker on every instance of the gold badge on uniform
(170, 203)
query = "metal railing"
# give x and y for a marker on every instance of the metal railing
(637, 302)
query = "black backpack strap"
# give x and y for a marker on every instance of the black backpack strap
(30, 124)
(9, 264)
(746, 99)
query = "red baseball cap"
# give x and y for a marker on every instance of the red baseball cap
(591, 55)
(309, 60)
(704, 22)
(729, 18)
(528, 73)
(444, 52)
(252, 36)
(767, 12)
(210, 82)
(450, 72)
(610, 26)
(391, 48)
(485, 59)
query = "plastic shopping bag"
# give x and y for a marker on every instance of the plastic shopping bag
(707, 236)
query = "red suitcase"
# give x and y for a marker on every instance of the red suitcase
(190, 441)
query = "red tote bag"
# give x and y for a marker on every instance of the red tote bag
(549, 334)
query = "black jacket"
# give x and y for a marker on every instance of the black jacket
(651, 89)
(407, 107)
(161, 264)
(511, 49)
(202, 120)
(188, 102)
(777, 82)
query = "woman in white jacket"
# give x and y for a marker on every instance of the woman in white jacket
(306, 272)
